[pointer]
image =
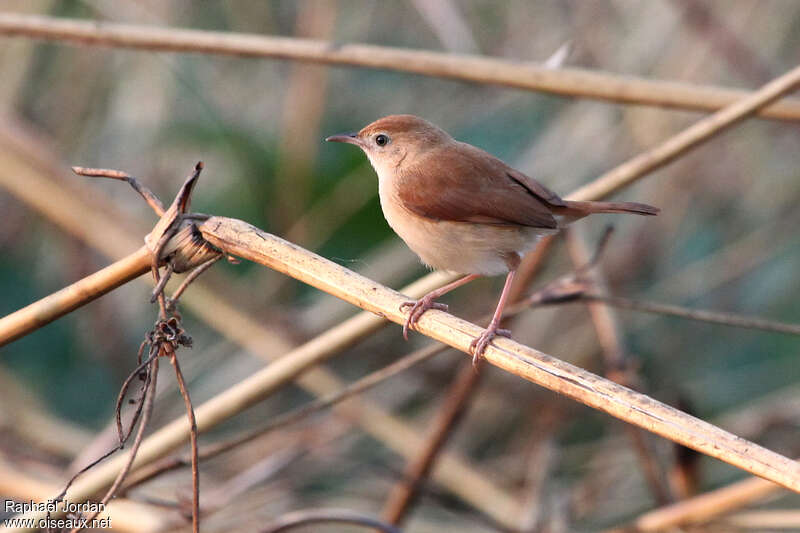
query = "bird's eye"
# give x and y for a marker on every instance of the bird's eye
(381, 139)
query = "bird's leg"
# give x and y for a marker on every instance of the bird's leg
(478, 346)
(428, 302)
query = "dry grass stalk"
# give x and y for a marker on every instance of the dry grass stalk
(700, 315)
(542, 458)
(765, 520)
(690, 138)
(615, 366)
(406, 490)
(40, 313)
(294, 416)
(303, 108)
(195, 460)
(704, 507)
(478, 69)
(148, 400)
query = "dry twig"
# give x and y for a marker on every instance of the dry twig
(693, 136)
(150, 394)
(40, 313)
(148, 195)
(144, 373)
(296, 415)
(575, 287)
(195, 460)
(616, 366)
(406, 490)
(700, 315)
(704, 507)
(478, 69)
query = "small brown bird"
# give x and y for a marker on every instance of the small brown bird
(461, 209)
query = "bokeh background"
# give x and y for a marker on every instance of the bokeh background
(727, 239)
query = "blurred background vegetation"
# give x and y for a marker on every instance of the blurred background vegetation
(727, 238)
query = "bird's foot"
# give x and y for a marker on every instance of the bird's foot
(417, 309)
(478, 346)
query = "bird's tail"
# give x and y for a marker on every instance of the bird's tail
(573, 211)
(590, 208)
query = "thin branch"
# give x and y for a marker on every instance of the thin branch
(327, 516)
(193, 275)
(296, 415)
(605, 322)
(701, 315)
(685, 472)
(158, 290)
(406, 490)
(541, 460)
(696, 134)
(704, 507)
(173, 358)
(615, 366)
(150, 395)
(477, 69)
(136, 373)
(40, 313)
(567, 289)
(713, 30)
(123, 435)
(148, 195)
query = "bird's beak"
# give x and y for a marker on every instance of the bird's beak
(350, 138)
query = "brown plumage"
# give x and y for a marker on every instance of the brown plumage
(460, 208)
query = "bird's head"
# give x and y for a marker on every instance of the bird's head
(392, 141)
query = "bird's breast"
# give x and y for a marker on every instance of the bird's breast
(463, 247)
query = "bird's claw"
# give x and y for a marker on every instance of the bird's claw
(479, 344)
(417, 309)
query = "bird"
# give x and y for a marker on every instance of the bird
(461, 209)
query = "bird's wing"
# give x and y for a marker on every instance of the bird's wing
(466, 184)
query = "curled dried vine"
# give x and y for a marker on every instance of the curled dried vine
(176, 246)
